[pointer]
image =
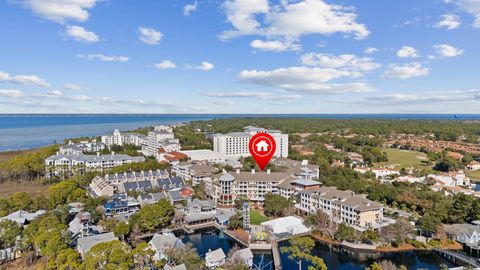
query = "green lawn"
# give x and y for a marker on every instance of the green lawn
(475, 175)
(256, 217)
(405, 158)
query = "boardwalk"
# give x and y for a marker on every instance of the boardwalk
(276, 255)
(457, 257)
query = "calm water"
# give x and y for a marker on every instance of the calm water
(29, 131)
(334, 257)
(340, 258)
(212, 239)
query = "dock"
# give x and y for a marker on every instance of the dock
(276, 255)
(457, 257)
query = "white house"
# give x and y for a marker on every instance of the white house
(244, 255)
(262, 146)
(286, 225)
(214, 259)
(84, 244)
(473, 166)
(161, 242)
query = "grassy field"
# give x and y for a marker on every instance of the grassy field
(405, 159)
(11, 154)
(7, 189)
(475, 175)
(256, 217)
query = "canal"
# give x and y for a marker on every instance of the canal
(334, 257)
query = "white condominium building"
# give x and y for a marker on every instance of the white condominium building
(344, 207)
(195, 172)
(252, 185)
(81, 147)
(161, 137)
(74, 164)
(119, 138)
(235, 144)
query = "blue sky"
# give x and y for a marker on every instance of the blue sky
(239, 56)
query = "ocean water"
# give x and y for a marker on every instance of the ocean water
(24, 131)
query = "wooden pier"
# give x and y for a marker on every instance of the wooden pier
(457, 257)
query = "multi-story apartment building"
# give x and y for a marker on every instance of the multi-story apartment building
(252, 185)
(343, 207)
(235, 144)
(123, 138)
(72, 148)
(77, 164)
(196, 172)
(160, 141)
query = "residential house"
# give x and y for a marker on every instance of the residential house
(86, 243)
(214, 259)
(160, 243)
(245, 255)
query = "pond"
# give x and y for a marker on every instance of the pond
(333, 256)
(341, 258)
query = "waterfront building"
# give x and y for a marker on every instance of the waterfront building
(123, 138)
(245, 255)
(235, 144)
(160, 243)
(151, 198)
(79, 148)
(70, 164)
(84, 244)
(344, 206)
(284, 226)
(214, 259)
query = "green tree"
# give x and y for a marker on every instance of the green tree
(142, 256)
(153, 217)
(109, 255)
(187, 255)
(345, 232)
(68, 259)
(275, 204)
(428, 224)
(300, 249)
(121, 230)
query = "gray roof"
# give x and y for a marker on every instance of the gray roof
(175, 195)
(216, 255)
(456, 229)
(22, 216)
(162, 241)
(260, 176)
(225, 215)
(244, 254)
(94, 158)
(140, 175)
(227, 177)
(201, 203)
(86, 243)
(344, 197)
(153, 197)
(305, 182)
(170, 183)
(137, 186)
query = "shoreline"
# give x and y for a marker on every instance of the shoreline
(405, 247)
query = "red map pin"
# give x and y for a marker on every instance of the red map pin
(262, 147)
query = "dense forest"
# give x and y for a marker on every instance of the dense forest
(443, 130)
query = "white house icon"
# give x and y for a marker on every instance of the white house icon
(262, 146)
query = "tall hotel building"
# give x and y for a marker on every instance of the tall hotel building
(235, 144)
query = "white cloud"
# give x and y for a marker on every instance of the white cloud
(149, 36)
(403, 72)
(188, 9)
(23, 79)
(11, 93)
(469, 6)
(80, 34)
(304, 79)
(103, 58)
(275, 45)
(290, 19)
(204, 66)
(422, 98)
(165, 64)
(60, 10)
(407, 52)
(73, 87)
(222, 102)
(253, 94)
(80, 98)
(344, 61)
(370, 50)
(449, 22)
(448, 51)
